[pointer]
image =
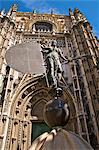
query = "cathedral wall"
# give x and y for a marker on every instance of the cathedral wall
(75, 38)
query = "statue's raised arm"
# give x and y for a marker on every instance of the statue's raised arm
(61, 55)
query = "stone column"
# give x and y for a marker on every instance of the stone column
(77, 111)
(86, 84)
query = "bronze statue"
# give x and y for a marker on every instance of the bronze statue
(52, 56)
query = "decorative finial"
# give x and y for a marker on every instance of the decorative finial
(14, 7)
(3, 12)
(76, 10)
(70, 10)
(59, 92)
(12, 12)
(51, 11)
(34, 11)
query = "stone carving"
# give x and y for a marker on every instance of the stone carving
(73, 20)
(80, 16)
(52, 56)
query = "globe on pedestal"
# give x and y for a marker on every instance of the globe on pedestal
(56, 113)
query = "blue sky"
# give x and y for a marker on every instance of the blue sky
(89, 7)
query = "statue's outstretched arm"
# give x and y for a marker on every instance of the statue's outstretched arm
(62, 56)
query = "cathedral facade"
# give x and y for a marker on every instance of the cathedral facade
(23, 96)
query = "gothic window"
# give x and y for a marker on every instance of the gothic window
(43, 27)
(60, 42)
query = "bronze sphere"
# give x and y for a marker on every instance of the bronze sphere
(56, 113)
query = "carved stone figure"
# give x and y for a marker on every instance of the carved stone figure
(73, 20)
(52, 56)
(80, 16)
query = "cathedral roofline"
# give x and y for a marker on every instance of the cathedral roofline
(37, 14)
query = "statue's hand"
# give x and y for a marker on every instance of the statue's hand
(66, 61)
(66, 58)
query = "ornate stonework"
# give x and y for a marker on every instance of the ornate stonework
(22, 97)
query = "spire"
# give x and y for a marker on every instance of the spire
(34, 11)
(51, 11)
(76, 10)
(2, 13)
(70, 11)
(79, 15)
(14, 7)
(12, 12)
(72, 17)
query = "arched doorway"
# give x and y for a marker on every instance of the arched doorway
(26, 113)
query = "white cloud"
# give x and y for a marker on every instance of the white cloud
(41, 6)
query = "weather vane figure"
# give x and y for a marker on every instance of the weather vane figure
(52, 55)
